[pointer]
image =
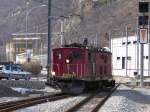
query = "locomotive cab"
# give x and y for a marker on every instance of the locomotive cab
(68, 61)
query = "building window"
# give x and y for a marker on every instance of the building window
(118, 58)
(128, 42)
(129, 58)
(146, 57)
(134, 42)
(123, 43)
(123, 62)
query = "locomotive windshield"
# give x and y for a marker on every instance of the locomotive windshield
(73, 56)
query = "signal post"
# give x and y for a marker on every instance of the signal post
(143, 33)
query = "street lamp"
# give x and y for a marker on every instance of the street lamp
(27, 14)
(61, 19)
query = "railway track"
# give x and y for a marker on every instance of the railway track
(93, 102)
(14, 105)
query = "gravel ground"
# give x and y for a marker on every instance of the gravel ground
(126, 99)
(9, 94)
(56, 106)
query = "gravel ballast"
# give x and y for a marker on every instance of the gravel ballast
(126, 99)
(56, 106)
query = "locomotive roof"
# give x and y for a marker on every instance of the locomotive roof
(90, 48)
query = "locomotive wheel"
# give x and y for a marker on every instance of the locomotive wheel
(75, 87)
(108, 83)
(101, 86)
(91, 85)
(112, 83)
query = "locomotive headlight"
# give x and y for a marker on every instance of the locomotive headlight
(67, 61)
(53, 73)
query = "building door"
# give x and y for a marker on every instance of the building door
(123, 62)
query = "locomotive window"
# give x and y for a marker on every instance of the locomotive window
(76, 54)
(89, 56)
(58, 55)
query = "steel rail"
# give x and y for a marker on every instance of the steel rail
(14, 105)
(104, 99)
(101, 101)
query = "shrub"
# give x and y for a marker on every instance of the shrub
(33, 66)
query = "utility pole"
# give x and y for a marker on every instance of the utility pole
(109, 40)
(26, 28)
(49, 40)
(138, 44)
(126, 50)
(62, 31)
(142, 66)
(149, 52)
(96, 40)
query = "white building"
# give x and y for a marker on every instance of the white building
(126, 57)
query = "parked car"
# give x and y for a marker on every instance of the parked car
(13, 71)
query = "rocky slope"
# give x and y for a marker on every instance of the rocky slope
(98, 20)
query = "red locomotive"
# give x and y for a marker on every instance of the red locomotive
(78, 67)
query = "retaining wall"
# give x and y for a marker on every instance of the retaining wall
(23, 84)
